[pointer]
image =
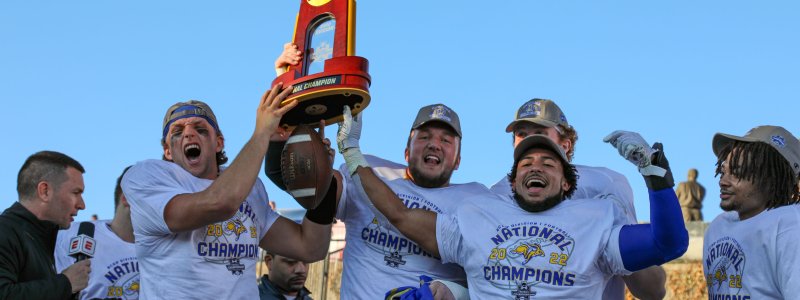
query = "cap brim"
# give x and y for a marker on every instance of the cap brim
(721, 140)
(441, 122)
(538, 140)
(542, 122)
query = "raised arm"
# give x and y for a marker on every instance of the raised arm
(308, 241)
(224, 196)
(417, 224)
(648, 283)
(272, 161)
(665, 238)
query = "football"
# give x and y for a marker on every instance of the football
(306, 167)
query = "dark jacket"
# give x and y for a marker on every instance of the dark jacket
(27, 266)
(268, 291)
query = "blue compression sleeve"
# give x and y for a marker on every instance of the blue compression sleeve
(664, 239)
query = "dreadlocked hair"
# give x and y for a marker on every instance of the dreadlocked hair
(765, 167)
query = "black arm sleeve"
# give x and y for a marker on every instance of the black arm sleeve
(326, 210)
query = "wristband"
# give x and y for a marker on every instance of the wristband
(326, 210)
(354, 159)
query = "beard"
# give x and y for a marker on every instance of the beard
(727, 206)
(294, 287)
(548, 202)
(426, 181)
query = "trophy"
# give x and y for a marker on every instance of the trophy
(329, 76)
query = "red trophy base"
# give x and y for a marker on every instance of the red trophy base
(322, 96)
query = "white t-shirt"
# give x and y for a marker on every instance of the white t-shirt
(214, 262)
(378, 257)
(597, 182)
(756, 258)
(569, 251)
(115, 270)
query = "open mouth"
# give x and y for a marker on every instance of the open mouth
(535, 181)
(192, 151)
(432, 159)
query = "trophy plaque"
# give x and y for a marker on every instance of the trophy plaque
(329, 76)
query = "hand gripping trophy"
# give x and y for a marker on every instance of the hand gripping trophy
(329, 75)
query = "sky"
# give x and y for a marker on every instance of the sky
(93, 79)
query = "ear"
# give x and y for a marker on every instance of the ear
(566, 144)
(513, 183)
(124, 201)
(458, 155)
(565, 186)
(167, 152)
(408, 144)
(220, 143)
(268, 261)
(44, 191)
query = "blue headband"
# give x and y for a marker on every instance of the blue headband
(188, 111)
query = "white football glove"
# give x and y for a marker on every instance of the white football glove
(635, 149)
(347, 139)
(349, 131)
(456, 290)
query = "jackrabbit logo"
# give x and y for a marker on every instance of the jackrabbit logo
(527, 255)
(231, 242)
(724, 264)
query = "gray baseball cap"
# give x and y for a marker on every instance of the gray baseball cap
(777, 137)
(544, 112)
(187, 109)
(438, 113)
(541, 141)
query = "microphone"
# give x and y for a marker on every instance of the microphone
(82, 246)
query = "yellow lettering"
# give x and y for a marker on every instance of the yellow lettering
(735, 281)
(554, 258)
(558, 258)
(210, 230)
(114, 291)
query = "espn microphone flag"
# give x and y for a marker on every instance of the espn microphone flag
(82, 246)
